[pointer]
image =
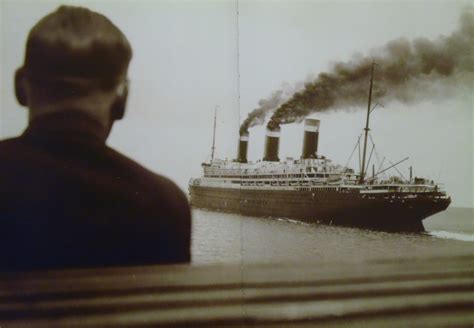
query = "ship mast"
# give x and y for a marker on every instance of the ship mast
(366, 129)
(214, 136)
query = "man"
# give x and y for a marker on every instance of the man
(66, 199)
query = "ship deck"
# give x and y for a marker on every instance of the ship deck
(429, 292)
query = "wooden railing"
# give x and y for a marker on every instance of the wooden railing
(429, 293)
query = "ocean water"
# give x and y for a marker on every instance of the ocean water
(231, 238)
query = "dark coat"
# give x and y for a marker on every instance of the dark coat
(68, 200)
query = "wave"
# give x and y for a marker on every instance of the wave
(293, 221)
(452, 235)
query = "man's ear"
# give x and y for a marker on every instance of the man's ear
(20, 87)
(118, 107)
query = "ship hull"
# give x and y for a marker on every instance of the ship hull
(385, 212)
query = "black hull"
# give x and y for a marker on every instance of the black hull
(385, 212)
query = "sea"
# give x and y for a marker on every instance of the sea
(222, 238)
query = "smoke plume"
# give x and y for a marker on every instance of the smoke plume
(405, 71)
(270, 104)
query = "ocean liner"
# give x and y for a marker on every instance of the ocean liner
(313, 188)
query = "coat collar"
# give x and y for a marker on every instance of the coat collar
(66, 126)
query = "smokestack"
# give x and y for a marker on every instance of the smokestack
(272, 143)
(243, 146)
(310, 139)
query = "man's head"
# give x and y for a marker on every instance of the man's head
(75, 59)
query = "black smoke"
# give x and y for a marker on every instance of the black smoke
(270, 104)
(405, 71)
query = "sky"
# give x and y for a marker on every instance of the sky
(191, 56)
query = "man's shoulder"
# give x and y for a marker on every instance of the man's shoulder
(157, 193)
(142, 175)
(12, 149)
(9, 142)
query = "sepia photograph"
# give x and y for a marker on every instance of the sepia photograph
(240, 163)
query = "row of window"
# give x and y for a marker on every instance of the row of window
(318, 188)
(270, 176)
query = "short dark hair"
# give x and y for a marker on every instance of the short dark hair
(74, 47)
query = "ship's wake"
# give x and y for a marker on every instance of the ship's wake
(292, 221)
(451, 235)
